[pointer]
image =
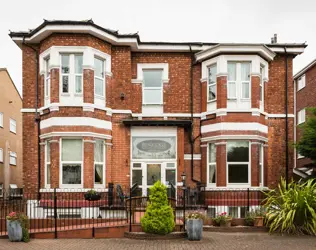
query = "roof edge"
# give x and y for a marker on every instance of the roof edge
(6, 70)
(304, 70)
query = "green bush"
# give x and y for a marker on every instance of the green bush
(292, 210)
(250, 218)
(158, 218)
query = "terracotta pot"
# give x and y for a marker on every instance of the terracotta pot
(258, 221)
(226, 223)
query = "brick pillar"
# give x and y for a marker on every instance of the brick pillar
(255, 91)
(88, 163)
(204, 96)
(88, 86)
(221, 164)
(221, 92)
(54, 86)
(54, 162)
(255, 164)
(180, 154)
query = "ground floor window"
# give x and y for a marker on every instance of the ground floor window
(211, 164)
(237, 212)
(47, 164)
(71, 162)
(238, 162)
(261, 165)
(99, 163)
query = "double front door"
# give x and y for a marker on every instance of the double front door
(146, 174)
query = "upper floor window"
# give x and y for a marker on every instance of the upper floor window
(238, 82)
(47, 77)
(301, 116)
(12, 125)
(1, 119)
(212, 83)
(99, 77)
(71, 73)
(301, 82)
(211, 163)
(152, 86)
(13, 157)
(1, 155)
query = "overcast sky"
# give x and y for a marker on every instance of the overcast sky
(168, 20)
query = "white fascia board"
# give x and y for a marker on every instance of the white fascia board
(293, 50)
(197, 115)
(75, 134)
(75, 121)
(234, 137)
(236, 126)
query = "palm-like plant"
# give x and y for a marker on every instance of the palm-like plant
(292, 210)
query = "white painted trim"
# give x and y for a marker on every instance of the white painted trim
(235, 188)
(280, 115)
(72, 190)
(74, 134)
(153, 131)
(167, 115)
(238, 126)
(223, 111)
(75, 121)
(143, 66)
(28, 110)
(89, 141)
(234, 137)
(121, 111)
(294, 50)
(195, 157)
(220, 143)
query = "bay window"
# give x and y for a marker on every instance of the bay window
(152, 86)
(99, 160)
(47, 165)
(238, 162)
(238, 81)
(99, 78)
(211, 164)
(71, 74)
(212, 83)
(71, 162)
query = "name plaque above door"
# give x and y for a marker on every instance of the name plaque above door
(154, 147)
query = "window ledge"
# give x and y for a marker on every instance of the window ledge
(65, 94)
(99, 97)
(152, 104)
(212, 101)
(72, 190)
(80, 95)
(232, 188)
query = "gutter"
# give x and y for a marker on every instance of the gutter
(37, 117)
(286, 121)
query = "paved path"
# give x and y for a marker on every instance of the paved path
(218, 241)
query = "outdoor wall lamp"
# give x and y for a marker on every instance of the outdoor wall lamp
(183, 176)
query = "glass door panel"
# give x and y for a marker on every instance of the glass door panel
(153, 173)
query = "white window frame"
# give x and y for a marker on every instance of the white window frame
(261, 100)
(1, 119)
(100, 78)
(238, 82)
(47, 144)
(1, 155)
(12, 125)
(261, 165)
(70, 162)
(299, 156)
(97, 185)
(13, 155)
(71, 76)
(238, 210)
(47, 80)
(301, 116)
(211, 84)
(209, 184)
(238, 185)
(152, 88)
(301, 82)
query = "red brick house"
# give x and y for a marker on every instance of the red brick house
(101, 107)
(305, 91)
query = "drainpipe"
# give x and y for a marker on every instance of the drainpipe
(37, 118)
(192, 140)
(286, 121)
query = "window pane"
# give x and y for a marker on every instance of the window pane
(153, 173)
(98, 173)
(137, 177)
(47, 87)
(98, 67)
(237, 151)
(233, 212)
(78, 84)
(231, 90)
(98, 151)
(171, 176)
(71, 150)
(65, 64)
(212, 92)
(65, 84)
(152, 96)
(243, 211)
(245, 71)
(71, 174)
(99, 83)
(47, 67)
(137, 165)
(245, 90)
(238, 173)
(78, 64)
(212, 153)
(212, 173)
(48, 152)
(152, 78)
(212, 74)
(48, 174)
(231, 71)
(261, 93)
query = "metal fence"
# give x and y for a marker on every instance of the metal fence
(56, 210)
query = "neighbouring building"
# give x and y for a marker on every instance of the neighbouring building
(305, 97)
(103, 107)
(10, 133)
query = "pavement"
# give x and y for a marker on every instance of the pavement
(211, 240)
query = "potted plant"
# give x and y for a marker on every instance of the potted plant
(250, 218)
(259, 217)
(17, 226)
(92, 195)
(194, 223)
(223, 220)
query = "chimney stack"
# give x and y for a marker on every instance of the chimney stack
(274, 39)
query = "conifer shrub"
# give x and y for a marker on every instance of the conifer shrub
(159, 217)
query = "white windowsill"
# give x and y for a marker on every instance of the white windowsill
(72, 190)
(209, 188)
